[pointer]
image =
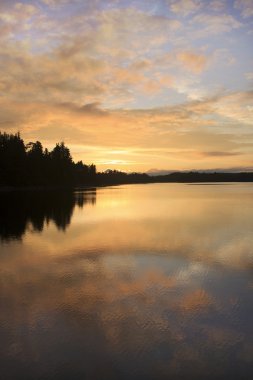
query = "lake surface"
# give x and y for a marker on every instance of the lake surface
(130, 282)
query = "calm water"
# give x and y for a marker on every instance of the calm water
(131, 282)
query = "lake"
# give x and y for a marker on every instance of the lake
(130, 282)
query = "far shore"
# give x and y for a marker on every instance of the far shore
(113, 182)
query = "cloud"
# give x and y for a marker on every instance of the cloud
(49, 77)
(92, 108)
(185, 7)
(88, 64)
(249, 76)
(237, 106)
(245, 6)
(54, 2)
(192, 61)
(211, 24)
(217, 5)
(219, 154)
(16, 18)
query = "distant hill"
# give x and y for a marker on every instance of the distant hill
(158, 172)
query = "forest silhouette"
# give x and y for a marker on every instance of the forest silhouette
(30, 165)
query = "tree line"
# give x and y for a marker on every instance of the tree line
(114, 177)
(31, 165)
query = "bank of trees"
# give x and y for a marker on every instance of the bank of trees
(31, 165)
(114, 177)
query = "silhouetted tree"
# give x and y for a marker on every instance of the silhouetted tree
(12, 159)
(36, 163)
(61, 165)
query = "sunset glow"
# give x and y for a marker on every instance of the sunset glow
(133, 85)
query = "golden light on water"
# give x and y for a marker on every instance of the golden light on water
(153, 277)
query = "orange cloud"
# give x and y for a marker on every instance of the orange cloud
(192, 61)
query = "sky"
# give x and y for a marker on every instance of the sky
(132, 85)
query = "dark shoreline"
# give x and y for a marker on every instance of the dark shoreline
(31, 167)
(114, 182)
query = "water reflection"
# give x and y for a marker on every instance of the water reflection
(154, 282)
(22, 210)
